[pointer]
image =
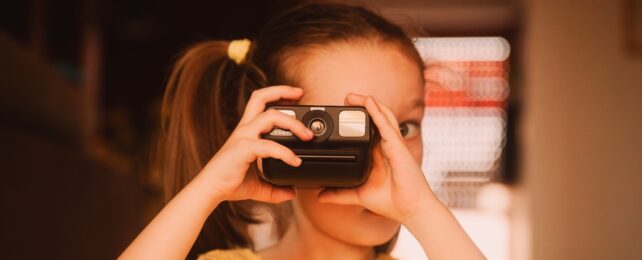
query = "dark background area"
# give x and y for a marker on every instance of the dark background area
(137, 42)
(82, 82)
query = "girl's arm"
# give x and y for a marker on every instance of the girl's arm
(173, 231)
(439, 233)
(397, 189)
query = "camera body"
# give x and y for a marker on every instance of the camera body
(339, 155)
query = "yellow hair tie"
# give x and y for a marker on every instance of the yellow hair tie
(237, 50)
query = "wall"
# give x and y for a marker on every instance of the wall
(582, 131)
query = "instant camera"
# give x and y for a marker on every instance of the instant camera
(339, 154)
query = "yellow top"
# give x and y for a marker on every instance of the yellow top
(246, 254)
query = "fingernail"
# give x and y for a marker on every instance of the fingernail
(297, 161)
(309, 132)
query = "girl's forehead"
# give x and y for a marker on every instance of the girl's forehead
(385, 73)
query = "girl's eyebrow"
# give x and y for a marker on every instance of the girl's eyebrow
(414, 105)
(417, 102)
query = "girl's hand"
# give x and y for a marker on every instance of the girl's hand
(171, 234)
(227, 170)
(396, 187)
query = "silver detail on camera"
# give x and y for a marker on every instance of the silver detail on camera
(352, 123)
(279, 131)
(288, 112)
(317, 126)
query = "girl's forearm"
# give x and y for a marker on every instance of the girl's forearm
(171, 234)
(439, 233)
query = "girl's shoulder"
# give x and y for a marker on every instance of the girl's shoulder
(231, 254)
(247, 254)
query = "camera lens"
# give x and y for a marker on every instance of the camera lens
(321, 125)
(317, 126)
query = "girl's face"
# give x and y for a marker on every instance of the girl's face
(384, 72)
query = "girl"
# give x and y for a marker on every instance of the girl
(213, 115)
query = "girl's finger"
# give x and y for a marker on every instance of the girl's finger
(263, 148)
(389, 134)
(339, 196)
(389, 115)
(258, 99)
(265, 122)
(359, 100)
(393, 146)
(272, 194)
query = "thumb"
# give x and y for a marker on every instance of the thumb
(339, 196)
(378, 158)
(273, 194)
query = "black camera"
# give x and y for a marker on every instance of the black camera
(338, 155)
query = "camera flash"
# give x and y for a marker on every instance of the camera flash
(352, 123)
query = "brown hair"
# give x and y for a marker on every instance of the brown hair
(207, 92)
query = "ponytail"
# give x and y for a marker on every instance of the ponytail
(205, 96)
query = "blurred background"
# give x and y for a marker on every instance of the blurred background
(532, 130)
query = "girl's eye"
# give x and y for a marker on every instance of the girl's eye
(409, 129)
